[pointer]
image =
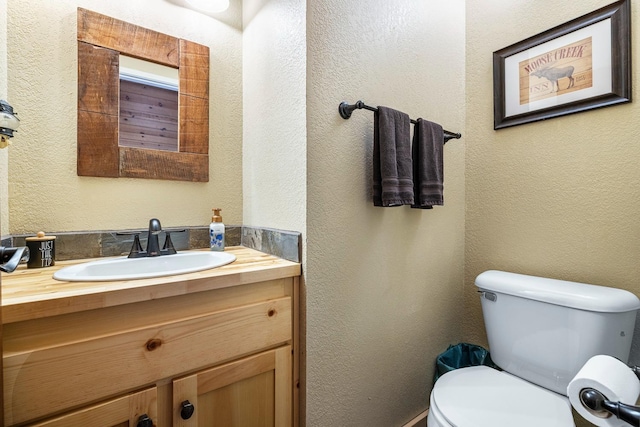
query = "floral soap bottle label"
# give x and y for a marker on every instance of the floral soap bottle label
(216, 240)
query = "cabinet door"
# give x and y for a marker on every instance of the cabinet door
(133, 410)
(252, 392)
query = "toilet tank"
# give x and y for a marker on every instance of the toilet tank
(544, 330)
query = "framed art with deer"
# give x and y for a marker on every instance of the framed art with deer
(580, 65)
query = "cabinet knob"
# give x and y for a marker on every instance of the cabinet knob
(186, 410)
(144, 421)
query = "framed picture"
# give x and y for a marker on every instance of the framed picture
(577, 66)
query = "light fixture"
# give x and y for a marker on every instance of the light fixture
(211, 6)
(8, 123)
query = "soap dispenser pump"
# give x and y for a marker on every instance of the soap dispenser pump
(216, 231)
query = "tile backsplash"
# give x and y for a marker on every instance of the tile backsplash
(94, 244)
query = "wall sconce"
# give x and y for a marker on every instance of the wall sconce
(8, 123)
(211, 6)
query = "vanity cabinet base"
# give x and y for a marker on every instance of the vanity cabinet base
(229, 353)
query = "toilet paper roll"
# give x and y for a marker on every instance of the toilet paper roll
(615, 380)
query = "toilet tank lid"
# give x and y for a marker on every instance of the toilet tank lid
(560, 292)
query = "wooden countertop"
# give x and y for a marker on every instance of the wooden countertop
(33, 293)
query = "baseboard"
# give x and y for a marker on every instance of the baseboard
(416, 420)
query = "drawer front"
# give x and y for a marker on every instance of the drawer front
(54, 378)
(126, 410)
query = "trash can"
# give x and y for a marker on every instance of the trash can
(462, 355)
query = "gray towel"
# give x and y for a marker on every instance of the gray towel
(392, 169)
(428, 164)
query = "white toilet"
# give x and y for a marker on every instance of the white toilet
(540, 331)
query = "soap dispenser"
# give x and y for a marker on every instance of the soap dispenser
(216, 231)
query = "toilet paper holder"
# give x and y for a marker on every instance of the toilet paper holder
(598, 404)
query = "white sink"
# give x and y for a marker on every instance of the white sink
(143, 268)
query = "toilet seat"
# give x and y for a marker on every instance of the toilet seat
(480, 396)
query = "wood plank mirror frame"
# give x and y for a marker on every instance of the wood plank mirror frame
(101, 40)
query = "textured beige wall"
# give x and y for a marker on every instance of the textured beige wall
(384, 285)
(558, 198)
(274, 114)
(274, 164)
(44, 189)
(4, 154)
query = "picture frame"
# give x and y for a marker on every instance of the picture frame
(577, 66)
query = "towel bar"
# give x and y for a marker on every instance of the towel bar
(346, 109)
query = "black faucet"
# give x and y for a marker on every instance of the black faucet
(153, 245)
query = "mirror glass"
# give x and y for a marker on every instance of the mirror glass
(148, 116)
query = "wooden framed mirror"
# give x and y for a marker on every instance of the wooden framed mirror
(101, 40)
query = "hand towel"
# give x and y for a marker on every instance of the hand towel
(428, 165)
(392, 168)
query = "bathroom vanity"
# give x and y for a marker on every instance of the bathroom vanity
(212, 348)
